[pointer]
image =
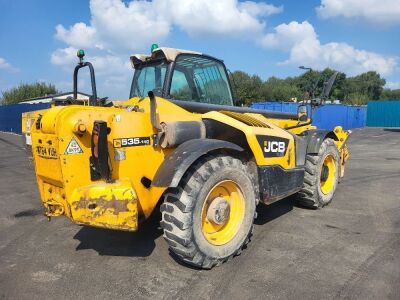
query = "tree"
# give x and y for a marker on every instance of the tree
(276, 89)
(307, 83)
(247, 88)
(311, 83)
(354, 90)
(389, 94)
(364, 87)
(26, 91)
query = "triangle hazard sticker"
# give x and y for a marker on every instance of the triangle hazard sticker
(73, 147)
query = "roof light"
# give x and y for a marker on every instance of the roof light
(80, 53)
(153, 47)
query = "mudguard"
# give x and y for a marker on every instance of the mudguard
(178, 162)
(315, 137)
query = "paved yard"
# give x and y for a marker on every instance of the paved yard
(350, 249)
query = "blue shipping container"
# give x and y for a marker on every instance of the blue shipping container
(10, 115)
(383, 113)
(326, 116)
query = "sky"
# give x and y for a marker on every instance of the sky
(39, 39)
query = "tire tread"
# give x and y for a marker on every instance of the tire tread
(176, 209)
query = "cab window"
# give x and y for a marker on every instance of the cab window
(180, 86)
(149, 77)
(200, 79)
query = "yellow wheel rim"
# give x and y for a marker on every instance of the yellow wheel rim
(222, 213)
(328, 174)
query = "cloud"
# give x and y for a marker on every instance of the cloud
(4, 65)
(118, 28)
(393, 85)
(301, 42)
(130, 26)
(113, 72)
(226, 17)
(78, 35)
(104, 64)
(136, 24)
(64, 57)
(286, 35)
(259, 9)
(374, 11)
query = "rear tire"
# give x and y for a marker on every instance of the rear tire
(321, 176)
(187, 212)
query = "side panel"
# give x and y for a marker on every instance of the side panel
(277, 183)
(258, 139)
(274, 152)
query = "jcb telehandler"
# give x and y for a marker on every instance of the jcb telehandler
(180, 140)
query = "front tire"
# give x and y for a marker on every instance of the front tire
(321, 176)
(208, 218)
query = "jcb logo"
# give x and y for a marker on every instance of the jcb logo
(274, 146)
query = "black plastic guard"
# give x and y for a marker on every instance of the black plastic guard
(176, 164)
(277, 183)
(315, 137)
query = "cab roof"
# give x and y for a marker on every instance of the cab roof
(169, 54)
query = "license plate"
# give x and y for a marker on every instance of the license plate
(46, 152)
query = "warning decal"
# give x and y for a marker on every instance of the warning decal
(73, 147)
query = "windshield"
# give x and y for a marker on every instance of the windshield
(148, 77)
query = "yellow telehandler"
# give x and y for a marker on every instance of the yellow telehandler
(180, 141)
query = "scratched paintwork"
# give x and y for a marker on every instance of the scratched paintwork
(106, 205)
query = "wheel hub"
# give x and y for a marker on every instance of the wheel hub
(223, 212)
(219, 211)
(324, 173)
(328, 174)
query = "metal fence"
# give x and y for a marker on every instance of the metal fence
(326, 116)
(383, 113)
(10, 115)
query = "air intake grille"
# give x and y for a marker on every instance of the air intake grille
(245, 119)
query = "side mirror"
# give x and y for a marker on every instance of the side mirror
(302, 113)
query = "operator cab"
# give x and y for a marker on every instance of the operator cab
(181, 75)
